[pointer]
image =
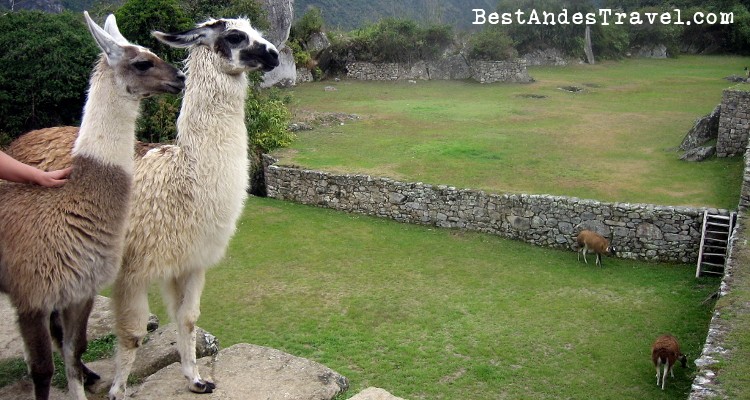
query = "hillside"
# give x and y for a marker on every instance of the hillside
(350, 14)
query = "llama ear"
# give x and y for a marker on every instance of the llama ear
(109, 46)
(182, 39)
(110, 26)
(203, 34)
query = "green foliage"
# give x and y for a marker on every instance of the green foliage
(310, 23)
(158, 118)
(267, 119)
(45, 64)
(609, 42)
(398, 40)
(138, 18)
(566, 38)
(200, 10)
(492, 44)
(302, 58)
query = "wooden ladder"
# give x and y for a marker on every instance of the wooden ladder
(717, 230)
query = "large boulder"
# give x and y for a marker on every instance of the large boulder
(704, 130)
(651, 51)
(699, 153)
(248, 372)
(280, 18)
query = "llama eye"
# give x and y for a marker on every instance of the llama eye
(234, 38)
(143, 65)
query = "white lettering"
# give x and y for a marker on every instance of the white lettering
(577, 18)
(479, 13)
(534, 18)
(605, 13)
(698, 18)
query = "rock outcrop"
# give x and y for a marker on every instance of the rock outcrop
(280, 18)
(242, 371)
(705, 129)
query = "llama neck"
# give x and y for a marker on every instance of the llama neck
(107, 132)
(212, 118)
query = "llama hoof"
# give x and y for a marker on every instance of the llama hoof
(202, 387)
(90, 377)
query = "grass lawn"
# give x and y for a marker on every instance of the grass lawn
(615, 141)
(442, 314)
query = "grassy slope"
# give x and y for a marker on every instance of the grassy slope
(429, 313)
(614, 142)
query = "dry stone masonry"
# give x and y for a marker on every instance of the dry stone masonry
(456, 67)
(734, 123)
(640, 231)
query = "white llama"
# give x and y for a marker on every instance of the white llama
(188, 197)
(59, 247)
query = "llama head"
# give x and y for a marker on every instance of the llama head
(240, 47)
(138, 72)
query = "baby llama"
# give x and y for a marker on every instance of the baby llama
(59, 247)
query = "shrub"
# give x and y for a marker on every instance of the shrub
(311, 22)
(267, 118)
(399, 40)
(45, 63)
(491, 44)
(138, 18)
(158, 121)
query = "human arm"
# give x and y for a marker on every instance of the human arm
(16, 171)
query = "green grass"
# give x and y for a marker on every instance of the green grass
(442, 314)
(616, 141)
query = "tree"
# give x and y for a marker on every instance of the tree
(200, 10)
(138, 18)
(45, 64)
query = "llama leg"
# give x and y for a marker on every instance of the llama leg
(130, 301)
(664, 376)
(183, 296)
(56, 332)
(585, 250)
(658, 370)
(34, 329)
(74, 321)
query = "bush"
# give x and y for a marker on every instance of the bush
(158, 120)
(267, 119)
(399, 40)
(491, 44)
(45, 64)
(138, 18)
(311, 22)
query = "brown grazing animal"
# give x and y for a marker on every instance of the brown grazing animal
(591, 241)
(665, 352)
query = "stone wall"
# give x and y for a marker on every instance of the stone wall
(734, 123)
(640, 231)
(501, 71)
(455, 67)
